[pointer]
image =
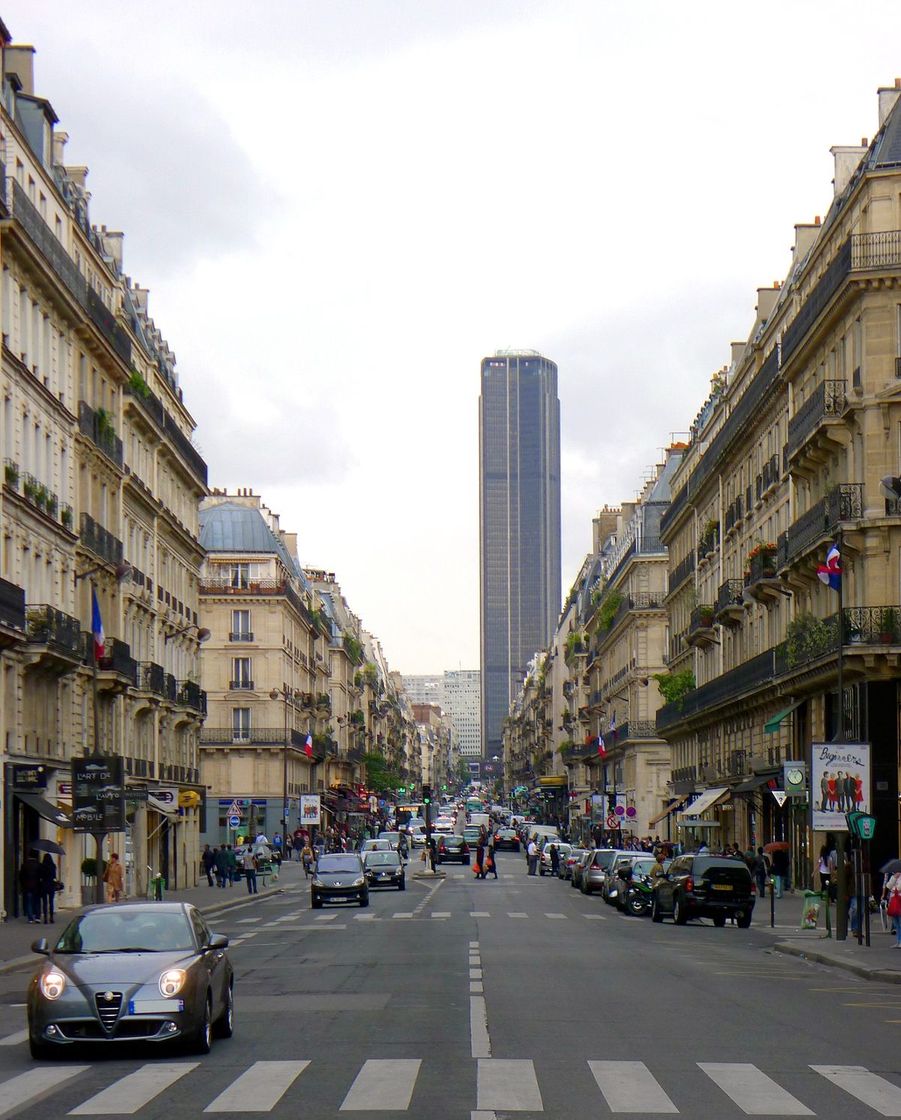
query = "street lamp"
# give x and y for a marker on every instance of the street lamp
(286, 694)
(203, 635)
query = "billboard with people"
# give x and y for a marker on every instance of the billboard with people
(839, 783)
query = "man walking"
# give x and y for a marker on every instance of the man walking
(249, 863)
(208, 862)
(220, 862)
(533, 855)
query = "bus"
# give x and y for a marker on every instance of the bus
(475, 805)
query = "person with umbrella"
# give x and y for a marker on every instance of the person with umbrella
(48, 888)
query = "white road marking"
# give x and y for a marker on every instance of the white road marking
(410, 915)
(366, 918)
(480, 1043)
(234, 942)
(29, 1087)
(323, 918)
(475, 974)
(479, 914)
(476, 986)
(517, 914)
(441, 913)
(383, 1085)
(630, 1087)
(555, 915)
(473, 944)
(258, 1089)
(869, 1088)
(14, 1039)
(247, 921)
(130, 1093)
(508, 1085)
(596, 917)
(753, 1091)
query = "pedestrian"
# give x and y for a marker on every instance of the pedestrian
(555, 860)
(113, 878)
(481, 857)
(220, 862)
(30, 885)
(892, 893)
(490, 850)
(249, 863)
(208, 862)
(48, 887)
(232, 859)
(532, 854)
(433, 854)
(780, 870)
(658, 870)
(760, 872)
(299, 842)
(306, 858)
(402, 849)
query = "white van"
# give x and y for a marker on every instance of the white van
(476, 820)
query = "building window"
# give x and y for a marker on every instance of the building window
(240, 631)
(242, 673)
(240, 725)
(239, 575)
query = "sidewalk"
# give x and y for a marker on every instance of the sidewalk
(16, 935)
(878, 962)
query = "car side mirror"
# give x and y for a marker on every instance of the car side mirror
(217, 941)
(40, 946)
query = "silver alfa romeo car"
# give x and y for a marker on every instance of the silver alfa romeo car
(128, 972)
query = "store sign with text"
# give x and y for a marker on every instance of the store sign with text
(839, 783)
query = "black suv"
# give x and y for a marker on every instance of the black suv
(704, 887)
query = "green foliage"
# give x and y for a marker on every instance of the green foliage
(104, 423)
(566, 747)
(138, 385)
(379, 775)
(808, 637)
(353, 647)
(675, 686)
(609, 607)
(575, 643)
(89, 867)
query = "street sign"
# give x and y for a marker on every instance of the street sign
(613, 821)
(234, 821)
(780, 796)
(98, 801)
(234, 809)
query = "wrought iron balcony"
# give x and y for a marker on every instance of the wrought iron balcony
(257, 736)
(99, 430)
(100, 541)
(729, 608)
(701, 627)
(682, 571)
(151, 678)
(825, 405)
(117, 659)
(237, 685)
(241, 636)
(59, 634)
(12, 614)
(842, 503)
(191, 695)
(762, 581)
(170, 688)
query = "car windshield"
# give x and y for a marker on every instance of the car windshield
(339, 863)
(382, 859)
(124, 931)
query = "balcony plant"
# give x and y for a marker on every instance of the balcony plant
(67, 516)
(29, 488)
(51, 504)
(353, 647)
(608, 609)
(41, 494)
(674, 687)
(705, 616)
(104, 423)
(575, 644)
(762, 548)
(808, 637)
(888, 626)
(11, 475)
(138, 385)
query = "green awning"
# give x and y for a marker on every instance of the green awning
(772, 725)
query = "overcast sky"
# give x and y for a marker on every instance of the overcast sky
(341, 207)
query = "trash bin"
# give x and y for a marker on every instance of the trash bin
(157, 888)
(811, 913)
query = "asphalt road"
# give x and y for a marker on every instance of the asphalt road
(465, 1000)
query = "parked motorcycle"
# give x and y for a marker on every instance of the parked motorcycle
(638, 896)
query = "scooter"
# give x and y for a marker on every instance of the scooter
(638, 896)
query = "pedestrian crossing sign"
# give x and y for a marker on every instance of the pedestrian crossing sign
(234, 810)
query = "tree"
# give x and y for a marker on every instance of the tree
(379, 775)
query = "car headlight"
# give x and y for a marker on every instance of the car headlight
(358, 882)
(172, 981)
(52, 983)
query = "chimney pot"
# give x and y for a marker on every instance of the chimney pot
(816, 220)
(864, 142)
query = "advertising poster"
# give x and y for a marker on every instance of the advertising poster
(309, 809)
(839, 783)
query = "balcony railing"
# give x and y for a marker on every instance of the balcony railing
(100, 541)
(241, 636)
(761, 566)
(98, 429)
(682, 571)
(170, 688)
(191, 695)
(827, 401)
(151, 677)
(47, 626)
(12, 606)
(842, 503)
(236, 685)
(262, 736)
(729, 595)
(117, 659)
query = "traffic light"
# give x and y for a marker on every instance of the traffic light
(401, 789)
(427, 795)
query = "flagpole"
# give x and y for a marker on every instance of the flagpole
(841, 905)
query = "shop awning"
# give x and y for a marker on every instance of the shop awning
(44, 809)
(671, 808)
(772, 724)
(752, 783)
(161, 807)
(552, 781)
(699, 824)
(707, 800)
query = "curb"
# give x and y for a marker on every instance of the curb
(865, 972)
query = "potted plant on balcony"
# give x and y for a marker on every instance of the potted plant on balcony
(705, 616)
(888, 626)
(609, 607)
(710, 537)
(11, 475)
(67, 516)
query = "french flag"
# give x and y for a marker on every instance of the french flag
(602, 746)
(308, 746)
(830, 573)
(97, 627)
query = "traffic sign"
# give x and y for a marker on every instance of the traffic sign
(780, 796)
(234, 810)
(613, 821)
(234, 821)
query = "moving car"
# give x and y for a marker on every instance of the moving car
(471, 835)
(452, 848)
(384, 869)
(131, 971)
(377, 846)
(506, 838)
(392, 837)
(704, 887)
(339, 877)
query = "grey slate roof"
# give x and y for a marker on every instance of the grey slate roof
(234, 528)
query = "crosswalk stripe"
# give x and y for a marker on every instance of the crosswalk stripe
(258, 1089)
(441, 913)
(383, 1085)
(516, 914)
(125, 1096)
(555, 915)
(753, 1091)
(30, 1086)
(405, 915)
(508, 1085)
(596, 917)
(869, 1088)
(14, 1039)
(630, 1087)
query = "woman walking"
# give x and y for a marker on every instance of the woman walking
(892, 892)
(48, 888)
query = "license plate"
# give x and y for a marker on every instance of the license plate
(722, 886)
(154, 1006)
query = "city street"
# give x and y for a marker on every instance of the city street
(469, 999)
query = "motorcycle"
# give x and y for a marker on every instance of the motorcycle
(638, 896)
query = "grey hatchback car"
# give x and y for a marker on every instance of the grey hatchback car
(594, 874)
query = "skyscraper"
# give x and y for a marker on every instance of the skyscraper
(519, 523)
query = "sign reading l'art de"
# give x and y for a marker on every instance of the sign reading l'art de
(839, 783)
(309, 808)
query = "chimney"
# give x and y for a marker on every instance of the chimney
(78, 175)
(847, 158)
(60, 139)
(766, 301)
(887, 95)
(140, 296)
(805, 236)
(738, 348)
(113, 243)
(19, 60)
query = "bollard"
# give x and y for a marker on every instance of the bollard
(772, 903)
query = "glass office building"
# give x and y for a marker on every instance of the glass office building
(519, 525)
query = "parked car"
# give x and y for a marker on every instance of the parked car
(620, 868)
(453, 848)
(595, 871)
(572, 858)
(506, 839)
(384, 869)
(544, 860)
(578, 868)
(131, 971)
(704, 887)
(339, 877)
